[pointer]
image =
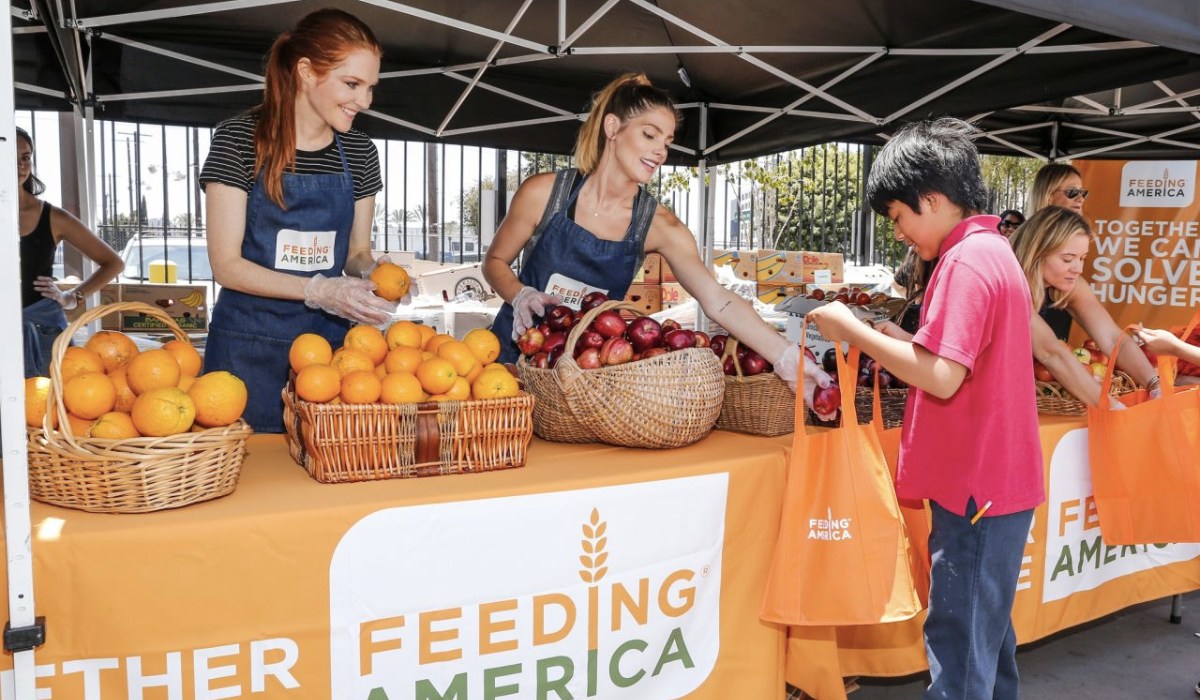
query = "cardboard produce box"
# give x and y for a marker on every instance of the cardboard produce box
(651, 270)
(775, 293)
(743, 262)
(667, 275)
(797, 307)
(648, 297)
(109, 294)
(673, 294)
(814, 265)
(799, 267)
(186, 304)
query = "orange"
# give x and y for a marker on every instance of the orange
(309, 349)
(77, 360)
(483, 344)
(427, 332)
(114, 425)
(380, 371)
(403, 359)
(80, 427)
(391, 281)
(360, 386)
(401, 387)
(114, 349)
(474, 374)
(37, 390)
(318, 383)
(90, 395)
(186, 355)
(347, 360)
(153, 369)
(186, 381)
(436, 341)
(461, 391)
(459, 355)
(404, 333)
(367, 340)
(438, 397)
(494, 384)
(426, 355)
(219, 398)
(164, 411)
(436, 375)
(125, 395)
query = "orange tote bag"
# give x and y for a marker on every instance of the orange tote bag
(1146, 461)
(842, 557)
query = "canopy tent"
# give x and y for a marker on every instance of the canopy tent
(1159, 119)
(518, 73)
(752, 76)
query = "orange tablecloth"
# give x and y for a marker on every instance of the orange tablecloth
(240, 595)
(1070, 578)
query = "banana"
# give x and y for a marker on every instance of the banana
(770, 267)
(193, 299)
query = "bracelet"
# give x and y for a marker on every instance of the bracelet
(1155, 382)
(78, 296)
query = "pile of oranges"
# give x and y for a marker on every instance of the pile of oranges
(409, 363)
(113, 391)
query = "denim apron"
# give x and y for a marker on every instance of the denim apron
(250, 335)
(42, 322)
(562, 249)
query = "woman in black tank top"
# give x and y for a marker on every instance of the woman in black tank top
(42, 226)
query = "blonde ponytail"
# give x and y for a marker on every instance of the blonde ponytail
(627, 96)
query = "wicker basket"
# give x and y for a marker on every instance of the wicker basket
(891, 403)
(135, 475)
(662, 402)
(340, 443)
(1053, 399)
(758, 405)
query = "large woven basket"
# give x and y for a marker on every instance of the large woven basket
(663, 402)
(758, 405)
(891, 403)
(1053, 399)
(134, 475)
(340, 443)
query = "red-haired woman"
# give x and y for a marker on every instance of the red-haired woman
(589, 227)
(291, 195)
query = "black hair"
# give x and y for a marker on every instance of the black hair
(1015, 212)
(924, 157)
(32, 185)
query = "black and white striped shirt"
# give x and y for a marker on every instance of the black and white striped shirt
(231, 158)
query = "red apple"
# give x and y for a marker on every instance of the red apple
(670, 324)
(539, 360)
(717, 343)
(591, 300)
(588, 339)
(863, 299)
(589, 359)
(1098, 370)
(1090, 344)
(553, 342)
(653, 352)
(729, 367)
(885, 379)
(644, 333)
(753, 364)
(818, 294)
(679, 339)
(1097, 356)
(636, 356)
(702, 339)
(544, 328)
(609, 324)
(615, 351)
(530, 341)
(560, 318)
(828, 400)
(1040, 372)
(844, 298)
(555, 354)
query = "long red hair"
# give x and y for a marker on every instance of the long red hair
(325, 38)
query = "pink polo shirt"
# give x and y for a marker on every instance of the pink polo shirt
(983, 441)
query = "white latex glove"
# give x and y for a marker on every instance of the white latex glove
(349, 298)
(814, 376)
(47, 288)
(381, 260)
(529, 303)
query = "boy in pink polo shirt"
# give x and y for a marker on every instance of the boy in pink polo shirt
(970, 440)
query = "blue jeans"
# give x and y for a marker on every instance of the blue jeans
(44, 321)
(969, 636)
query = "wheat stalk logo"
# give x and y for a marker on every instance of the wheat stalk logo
(594, 556)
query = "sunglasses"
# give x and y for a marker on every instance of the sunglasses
(1009, 224)
(1074, 192)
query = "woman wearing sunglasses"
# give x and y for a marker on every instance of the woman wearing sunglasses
(1009, 221)
(1058, 184)
(1051, 248)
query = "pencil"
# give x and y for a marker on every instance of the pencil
(979, 514)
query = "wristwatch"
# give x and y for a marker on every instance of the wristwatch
(78, 296)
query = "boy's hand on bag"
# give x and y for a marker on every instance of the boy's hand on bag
(528, 304)
(834, 320)
(1158, 341)
(349, 298)
(893, 330)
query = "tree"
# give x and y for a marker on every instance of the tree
(1008, 179)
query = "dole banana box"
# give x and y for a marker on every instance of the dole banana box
(774, 293)
(651, 270)
(743, 262)
(673, 294)
(811, 264)
(647, 297)
(186, 304)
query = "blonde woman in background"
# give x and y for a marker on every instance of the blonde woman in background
(1051, 247)
(1057, 184)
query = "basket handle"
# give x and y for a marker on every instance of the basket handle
(731, 347)
(63, 341)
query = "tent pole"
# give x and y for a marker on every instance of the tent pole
(705, 207)
(17, 526)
